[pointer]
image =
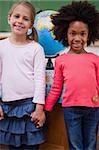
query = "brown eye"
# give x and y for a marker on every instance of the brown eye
(72, 33)
(83, 33)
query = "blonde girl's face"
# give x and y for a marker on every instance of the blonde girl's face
(77, 36)
(20, 20)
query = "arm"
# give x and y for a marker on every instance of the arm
(56, 88)
(39, 77)
(1, 110)
(96, 97)
(0, 78)
(38, 116)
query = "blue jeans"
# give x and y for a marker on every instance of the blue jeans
(82, 127)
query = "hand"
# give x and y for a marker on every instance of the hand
(1, 113)
(96, 98)
(38, 117)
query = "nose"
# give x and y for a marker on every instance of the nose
(77, 37)
(20, 20)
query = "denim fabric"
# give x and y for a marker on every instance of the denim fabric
(25, 147)
(16, 128)
(82, 127)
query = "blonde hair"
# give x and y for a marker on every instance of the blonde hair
(33, 35)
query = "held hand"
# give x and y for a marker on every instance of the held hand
(1, 113)
(38, 117)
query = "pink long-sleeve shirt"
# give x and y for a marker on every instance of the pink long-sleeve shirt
(79, 75)
(22, 71)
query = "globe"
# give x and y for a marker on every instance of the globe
(46, 37)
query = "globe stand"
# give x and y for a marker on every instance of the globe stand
(49, 74)
(49, 65)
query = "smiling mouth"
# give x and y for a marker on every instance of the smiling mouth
(76, 45)
(18, 27)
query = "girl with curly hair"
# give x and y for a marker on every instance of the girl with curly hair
(77, 25)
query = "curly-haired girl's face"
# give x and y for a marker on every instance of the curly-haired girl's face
(77, 36)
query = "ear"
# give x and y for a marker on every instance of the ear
(9, 19)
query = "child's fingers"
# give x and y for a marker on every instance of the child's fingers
(1, 114)
(34, 117)
(38, 119)
(38, 125)
(1, 118)
(96, 98)
(34, 120)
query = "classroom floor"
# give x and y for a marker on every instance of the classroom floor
(54, 147)
(46, 147)
(43, 147)
(51, 147)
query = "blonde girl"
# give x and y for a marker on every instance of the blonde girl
(22, 75)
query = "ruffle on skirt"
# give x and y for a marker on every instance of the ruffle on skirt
(17, 128)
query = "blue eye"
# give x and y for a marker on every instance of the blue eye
(26, 19)
(16, 16)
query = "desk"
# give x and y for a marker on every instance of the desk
(56, 137)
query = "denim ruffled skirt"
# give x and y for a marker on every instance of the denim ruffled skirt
(17, 128)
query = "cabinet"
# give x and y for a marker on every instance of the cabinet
(56, 137)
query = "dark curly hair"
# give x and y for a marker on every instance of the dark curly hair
(76, 11)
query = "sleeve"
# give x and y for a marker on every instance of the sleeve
(56, 88)
(0, 78)
(97, 74)
(0, 71)
(39, 77)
